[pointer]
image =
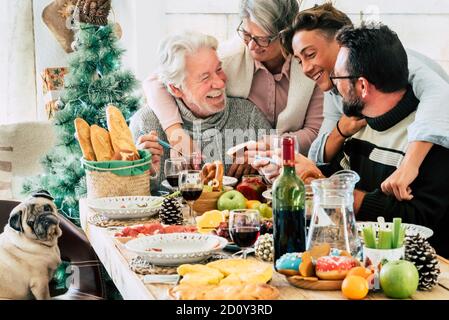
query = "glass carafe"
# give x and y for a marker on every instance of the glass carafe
(333, 219)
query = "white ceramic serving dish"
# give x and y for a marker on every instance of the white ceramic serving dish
(174, 249)
(130, 207)
(410, 229)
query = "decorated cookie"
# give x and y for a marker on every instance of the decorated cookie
(320, 250)
(289, 263)
(306, 269)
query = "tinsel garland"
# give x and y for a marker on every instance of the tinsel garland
(60, 282)
(94, 81)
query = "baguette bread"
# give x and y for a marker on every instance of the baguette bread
(101, 143)
(121, 137)
(83, 132)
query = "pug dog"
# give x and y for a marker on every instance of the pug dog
(29, 252)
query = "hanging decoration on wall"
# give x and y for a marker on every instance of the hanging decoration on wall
(58, 17)
(62, 17)
(94, 12)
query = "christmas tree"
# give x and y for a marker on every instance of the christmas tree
(95, 80)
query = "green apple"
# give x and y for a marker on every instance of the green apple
(265, 211)
(231, 200)
(399, 279)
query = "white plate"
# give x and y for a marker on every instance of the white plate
(410, 229)
(227, 181)
(130, 207)
(174, 249)
(267, 194)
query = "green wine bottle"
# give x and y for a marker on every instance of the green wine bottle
(289, 223)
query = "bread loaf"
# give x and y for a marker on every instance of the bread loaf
(101, 143)
(213, 172)
(121, 137)
(248, 291)
(83, 132)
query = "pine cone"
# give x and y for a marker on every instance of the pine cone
(171, 212)
(264, 247)
(94, 11)
(423, 256)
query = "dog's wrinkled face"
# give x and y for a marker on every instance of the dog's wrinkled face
(36, 218)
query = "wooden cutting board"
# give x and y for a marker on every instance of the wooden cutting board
(323, 285)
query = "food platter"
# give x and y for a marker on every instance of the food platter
(410, 229)
(176, 248)
(322, 285)
(125, 234)
(129, 207)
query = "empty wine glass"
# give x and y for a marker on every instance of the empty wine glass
(172, 168)
(191, 187)
(244, 228)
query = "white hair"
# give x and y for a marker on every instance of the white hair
(172, 55)
(271, 15)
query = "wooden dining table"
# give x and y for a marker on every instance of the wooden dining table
(116, 260)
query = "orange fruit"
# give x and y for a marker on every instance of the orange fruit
(253, 204)
(354, 287)
(359, 271)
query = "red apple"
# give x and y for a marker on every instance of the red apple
(252, 187)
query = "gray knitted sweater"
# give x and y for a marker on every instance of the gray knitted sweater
(240, 121)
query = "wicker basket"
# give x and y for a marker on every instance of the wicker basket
(118, 178)
(208, 201)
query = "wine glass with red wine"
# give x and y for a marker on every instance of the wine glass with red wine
(172, 168)
(244, 228)
(191, 187)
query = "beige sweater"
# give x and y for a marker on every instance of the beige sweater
(239, 67)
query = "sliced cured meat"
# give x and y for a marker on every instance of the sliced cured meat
(153, 228)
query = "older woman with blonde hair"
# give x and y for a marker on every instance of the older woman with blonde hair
(258, 71)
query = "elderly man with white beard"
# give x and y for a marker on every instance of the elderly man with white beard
(191, 71)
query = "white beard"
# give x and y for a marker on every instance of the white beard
(203, 110)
